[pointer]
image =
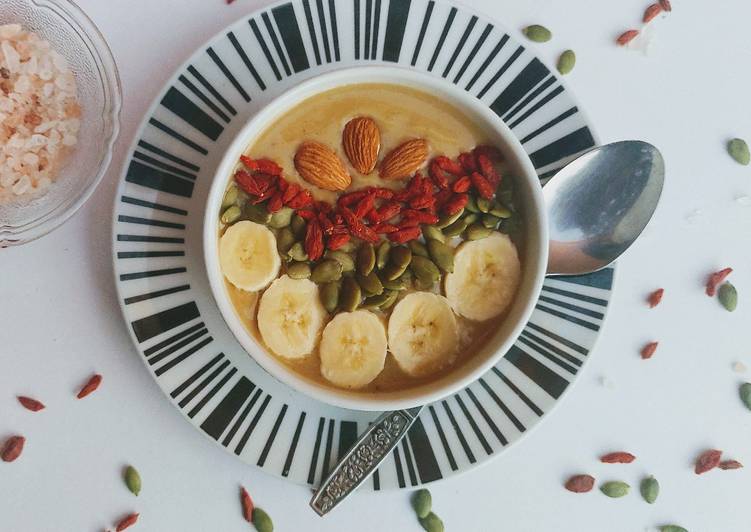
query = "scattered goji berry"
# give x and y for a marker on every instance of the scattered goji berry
(420, 216)
(651, 12)
(247, 504)
(468, 162)
(618, 457)
(384, 228)
(126, 522)
(455, 203)
(441, 197)
(306, 214)
(275, 202)
(347, 200)
(247, 183)
(292, 190)
(383, 193)
(436, 173)
(707, 461)
(648, 350)
(12, 448)
(488, 170)
(730, 464)
(491, 152)
(314, 240)
(365, 205)
(447, 165)
(422, 202)
(626, 37)
(91, 385)
(322, 206)
(387, 211)
(268, 166)
(716, 279)
(326, 224)
(655, 297)
(580, 483)
(358, 229)
(249, 163)
(339, 229)
(282, 183)
(481, 184)
(336, 241)
(303, 199)
(405, 235)
(263, 196)
(665, 4)
(462, 184)
(30, 404)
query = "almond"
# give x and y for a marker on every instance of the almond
(362, 142)
(319, 165)
(404, 160)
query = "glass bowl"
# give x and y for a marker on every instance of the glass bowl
(74, 35)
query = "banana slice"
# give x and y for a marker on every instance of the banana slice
(290, 315)
(248, 256)
(423, 335)
(353, 349)
(485, 279)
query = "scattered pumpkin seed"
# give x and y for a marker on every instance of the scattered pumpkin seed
(472, 218)
(382, 254)
(490, 221)
(650, 489)
(566, 62)
(284, 240)
(471, 205)
(478, 232)
(262, 521)
(483, 204)
(348, 247)
(299, 226)
(537, 33)
(326, 271)
(329, 295)
(350, 295)
(431, 232)
(231, 215)
(424, 269)
(457, 227)
(615, 489)
(345, 259)
(132, 480)
(745, 393)
(297, 252)
(432, 523)
(230, 197)
(442, 254)
(448, 219)
(499, 211)
(672, 528)
(256, 213)
(398, 284)
(298, 270)
(738, 150)
(281, 218)
(400, 257)
(381, 301)
(423, 284)
(728, 296)
(370, 284)
(366, 259)
(422, 502)
(418, 248)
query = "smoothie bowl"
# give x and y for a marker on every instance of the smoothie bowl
(376, 244)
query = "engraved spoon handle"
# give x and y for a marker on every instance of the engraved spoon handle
(363, 458)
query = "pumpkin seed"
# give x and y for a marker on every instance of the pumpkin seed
(483, 204)
(298, 225)
(423, 284)
(350, 295)
(330, 295)
(230, 196)
(262, 521)
(500, 211)
(345, 259)
(256, 213)
(398, 284)
(297, 252)
(566, 62)
(728, 296)
(650, 489)
(328, 270)
(399, 259)
(348, 247)
(231, 215)
(298, 270)
(615, 489)
(490, 221)
(132, 480)
(471, 205)
(281, 218)
(738, 150)
(366, 259)
(456, 228)
(442, 254)
(382, 301)
(448, 219)
(431, 232)
(370, 284)
(422, 502)
(478, 232)
(382, 254)
(472, 218)
(284, 240)
(745, 393)
(537, 33)
(432, 523)
(425, 269)
(418, 248)
(672, 528)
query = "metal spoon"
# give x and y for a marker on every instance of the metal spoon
(597, 207)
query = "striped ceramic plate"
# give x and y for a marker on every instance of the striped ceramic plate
(158, 220)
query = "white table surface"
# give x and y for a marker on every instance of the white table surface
(60, 319)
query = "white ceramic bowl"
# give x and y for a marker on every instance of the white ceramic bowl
(534, 257)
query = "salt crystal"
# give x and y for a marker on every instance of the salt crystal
(743, 200)
(22, 185)
(31, 159)
(606, 382)
(12, 59)
(739, 367)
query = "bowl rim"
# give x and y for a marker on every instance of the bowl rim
(109, 76)
(257, 124)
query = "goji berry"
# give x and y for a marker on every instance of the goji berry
(420, 216)
(263, 196)
(282, 183)
(91, 385)
(249, 163)
(339, 229)
(707, 461)
(326, 224)
(268, 166)
(358, 229)
(338, 220)
(384, 228)
(467, 160)
(303, 199)
(483, 187)
(462, 184)
(322, 206)
(716, 279)
(247, 504)
(383, 193)
(648, 350)
(30, 404)
(580, 483)
(447, 165)
(618, 457)
(306, 214)
(438, 176)
(265, 181)
(347, 200)
(441, 197)
(126, 522)
(365, 205)
(247, 183)
(314, 240)
(387, 211)
(730, 464)
(655, 297)
(455, 203)
(405, 235)
(12, 448)
(491, 152)
(488, 170)
(372, 216)
(422, 202)
(275, 203)
(337, 241)
(292, 190)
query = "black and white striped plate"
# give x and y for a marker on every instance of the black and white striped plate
(159, 268)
